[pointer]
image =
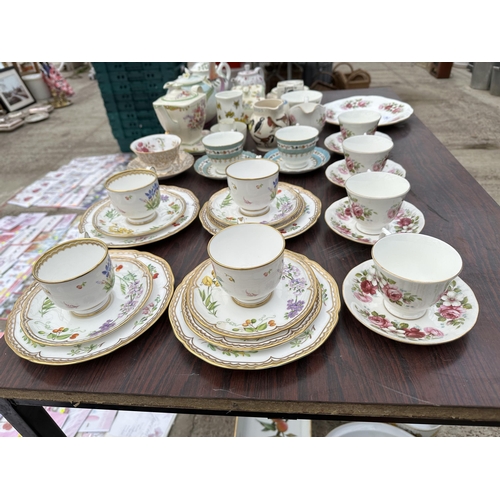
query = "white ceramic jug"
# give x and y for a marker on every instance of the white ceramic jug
(308, 113)
(268, 116)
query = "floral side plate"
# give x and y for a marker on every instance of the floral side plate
(301, 345)
(197, 148)
(306, 220)
(163, 286)
(340, 219)
(337, 173)
(184, 162)
(286, 207)
(204, 167)
(291, 302)
(449, 319)
(267, 427)
(319, 158)
(392, 110)
(46, 323)
(334, 142)
(87, 228)
(108, 221)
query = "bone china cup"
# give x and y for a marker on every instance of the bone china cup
(375, 199)
(158, 150)
(248, 262)
(253, 184)
(366, 152)
(413, 271)
(358, 122)
(296, 144)
(77, 276)
(135, 194)
(223, 148)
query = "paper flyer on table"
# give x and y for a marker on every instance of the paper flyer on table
(141, 424)
(98, 421)
(76, 418)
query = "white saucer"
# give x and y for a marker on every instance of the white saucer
(334, 142)
(183, 163)
(337, 172)
(368, 429)
(319, 158)
(163, 287)
(366, 305)
(108, 221)
(197, 148)
(36, 117)
(308, 218)
(304, 343)
(45, 323)
(87, 228)
(286, 208)
(339, 219)
(203, 166)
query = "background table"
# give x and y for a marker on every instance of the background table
(356, 373)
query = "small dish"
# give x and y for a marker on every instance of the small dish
(267, 427)
(334, 142)
(184, 162)
(36, 117)
(319, 158)
(203, 166)
(339, 218)
(337, 173)
(286, 207)
(441, 323)
(367, 429)
(109, 221)
(45, 323)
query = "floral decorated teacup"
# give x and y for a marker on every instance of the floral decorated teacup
(158, 150)
(248, 275)
(413, 272)
(253, 184)
(366, 152)
(77, 275)
(223, 148)
(296, 144)
(135, 194)
(375, 199)
(358, 122)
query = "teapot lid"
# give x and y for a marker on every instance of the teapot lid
(186, 79)
(248, 71)
(179, 94)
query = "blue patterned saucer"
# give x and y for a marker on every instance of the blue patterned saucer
(319, 158)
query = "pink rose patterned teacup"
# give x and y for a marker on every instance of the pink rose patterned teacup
(366, 152)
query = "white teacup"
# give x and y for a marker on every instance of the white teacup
(159, 150)
(223, 148)
(296, 144)
(135, 194)
(366, 152)
(77, 275)
(286, 86)
(253, 184)
(375, 199)
(358, 122)
(230, 105)
(248, 262)
(413, 271)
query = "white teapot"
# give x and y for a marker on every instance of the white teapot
(250, 77)
(182, 113)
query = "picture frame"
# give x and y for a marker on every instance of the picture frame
(14, 94)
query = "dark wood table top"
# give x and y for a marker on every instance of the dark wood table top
(356, 373)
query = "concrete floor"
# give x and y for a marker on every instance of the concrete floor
(465, 120)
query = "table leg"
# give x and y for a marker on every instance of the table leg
(30, 421)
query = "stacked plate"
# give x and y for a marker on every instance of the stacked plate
(178, 208)
(298, 318)
(41, 332)
(293, 211)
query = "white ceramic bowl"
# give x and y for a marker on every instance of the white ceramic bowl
(248, 262)
(367, 429)
(77, 275)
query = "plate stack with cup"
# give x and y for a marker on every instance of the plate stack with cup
(253, 304)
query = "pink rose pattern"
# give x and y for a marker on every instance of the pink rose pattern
(344, 213)
(392, 107)
(197, 119)
(450, 310)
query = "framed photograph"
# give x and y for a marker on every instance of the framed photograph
(14, 94)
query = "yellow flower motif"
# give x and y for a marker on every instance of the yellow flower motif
(207, 281)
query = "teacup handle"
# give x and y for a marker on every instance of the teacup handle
(385, 232)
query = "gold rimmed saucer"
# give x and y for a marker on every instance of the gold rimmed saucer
(109, 221)
(184, 162)
(43, 322)
(286, 208)
(291, 302)
(247, 344)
